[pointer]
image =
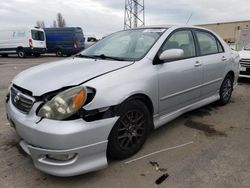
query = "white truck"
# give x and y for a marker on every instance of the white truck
(22, 41)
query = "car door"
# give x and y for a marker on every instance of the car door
(213, 59)
(179, 80)
(38, 39)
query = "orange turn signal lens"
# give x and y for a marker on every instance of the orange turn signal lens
(78, 100)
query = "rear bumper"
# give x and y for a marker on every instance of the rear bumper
(71, 51)
(87, 140)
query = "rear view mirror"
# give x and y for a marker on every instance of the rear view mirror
(171, 54)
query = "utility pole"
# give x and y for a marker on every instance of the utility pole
(134, 15)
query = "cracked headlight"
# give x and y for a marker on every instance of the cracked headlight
(64, 104)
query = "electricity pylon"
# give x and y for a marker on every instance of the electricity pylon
(134, 14)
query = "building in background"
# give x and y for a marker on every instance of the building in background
(232, 32)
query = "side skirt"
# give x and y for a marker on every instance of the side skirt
(161, 120)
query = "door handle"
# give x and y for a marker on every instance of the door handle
(223, 58)
(197, 64)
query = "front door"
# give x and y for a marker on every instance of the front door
(179, 80)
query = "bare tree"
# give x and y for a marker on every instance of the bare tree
(60, 20)
(40, 23)
(54, 23)
(64, 22)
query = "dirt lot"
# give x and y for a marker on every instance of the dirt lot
(217, 153)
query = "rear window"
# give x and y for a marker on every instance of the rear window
(37, 35)
(79, 36)
(208, 43)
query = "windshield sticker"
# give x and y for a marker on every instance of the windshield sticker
(154, 30)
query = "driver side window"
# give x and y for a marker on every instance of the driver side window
(181, 40)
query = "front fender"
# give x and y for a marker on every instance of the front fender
(115, 87)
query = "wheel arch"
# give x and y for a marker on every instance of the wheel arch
(144, 99)
(231, 74)
(19, 48)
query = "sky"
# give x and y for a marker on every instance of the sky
(102, 17)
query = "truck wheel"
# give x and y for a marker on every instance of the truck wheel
(226, 90)
(21, 53)
(59, 53)
(130, 131)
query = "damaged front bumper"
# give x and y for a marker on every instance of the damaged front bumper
(62, 148)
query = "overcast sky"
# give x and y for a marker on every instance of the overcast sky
(101, 17)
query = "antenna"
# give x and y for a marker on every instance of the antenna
(189, 18)
(134, 15)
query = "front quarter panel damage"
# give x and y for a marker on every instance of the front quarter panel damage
(114, 88)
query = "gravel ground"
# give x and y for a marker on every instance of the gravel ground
(217, 156)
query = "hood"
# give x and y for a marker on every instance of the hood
(49, 77)
(244, 54)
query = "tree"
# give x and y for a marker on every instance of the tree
(60, 20)
(54, 23)
(40, 23)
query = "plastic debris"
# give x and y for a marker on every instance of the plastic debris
(161, 179)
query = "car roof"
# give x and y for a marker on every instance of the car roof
(169, 26)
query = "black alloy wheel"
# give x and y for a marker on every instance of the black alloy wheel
(226, 90)
(130, 131)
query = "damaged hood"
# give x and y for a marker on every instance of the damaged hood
(53, 76)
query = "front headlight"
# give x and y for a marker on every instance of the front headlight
(64, 104)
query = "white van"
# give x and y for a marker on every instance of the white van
(22, 41)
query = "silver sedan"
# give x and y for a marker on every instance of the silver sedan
(73, 114)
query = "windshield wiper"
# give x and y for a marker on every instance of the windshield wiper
(85, 56)
(103, 56)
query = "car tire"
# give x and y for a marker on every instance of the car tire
(21, 53)
(226, 90)
(130, 131)
(59, 53)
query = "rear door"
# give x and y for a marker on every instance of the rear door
(38, 38)
(179, 80)
(79, 38)
(213, 59)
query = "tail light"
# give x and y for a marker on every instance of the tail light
(74, 44)
(30, 43)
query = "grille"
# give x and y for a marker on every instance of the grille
(245, 62)
(21, 101)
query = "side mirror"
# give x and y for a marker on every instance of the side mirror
(171, 54)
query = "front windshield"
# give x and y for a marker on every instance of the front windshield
(127, 45)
